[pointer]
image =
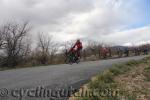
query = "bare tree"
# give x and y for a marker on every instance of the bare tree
(68, 44)
(94, 47)
(47, 47)
(1, 45)
(1, 39)
(15, 45)
(44, 42)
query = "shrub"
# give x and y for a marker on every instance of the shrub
(119, 69)
(147, 73)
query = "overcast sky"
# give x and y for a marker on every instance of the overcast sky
(114, 21)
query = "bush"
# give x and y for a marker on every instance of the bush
(131, 63)
(147, 73)
(103, 81)
(119, 69)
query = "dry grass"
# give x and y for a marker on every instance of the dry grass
(134, 83)
(129, 81)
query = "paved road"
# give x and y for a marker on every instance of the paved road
(52, 77)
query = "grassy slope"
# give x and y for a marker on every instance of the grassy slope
(129, 81)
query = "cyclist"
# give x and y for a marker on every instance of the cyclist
(78, 47)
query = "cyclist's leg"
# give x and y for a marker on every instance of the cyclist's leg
(79, 53)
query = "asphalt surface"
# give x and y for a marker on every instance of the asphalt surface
(51, 82)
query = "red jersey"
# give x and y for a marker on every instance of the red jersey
(78, 45)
